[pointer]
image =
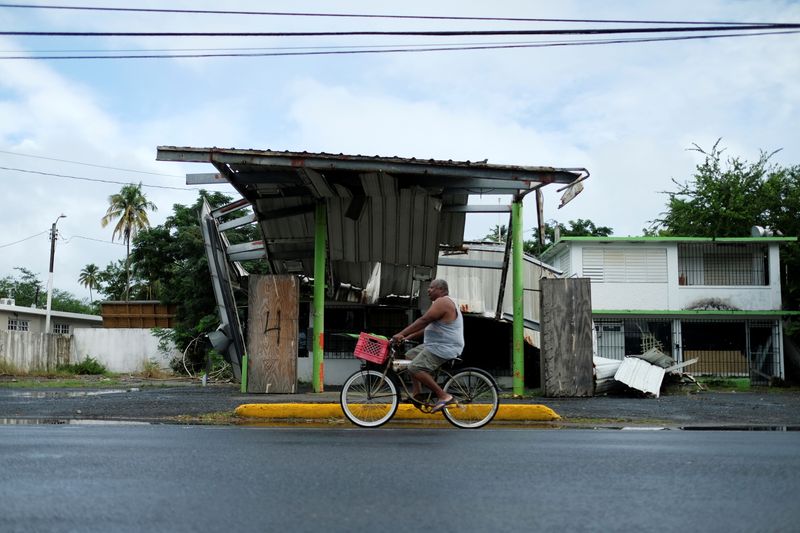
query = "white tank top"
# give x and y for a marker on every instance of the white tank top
(446, 339)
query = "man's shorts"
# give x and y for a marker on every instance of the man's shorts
(422, 359)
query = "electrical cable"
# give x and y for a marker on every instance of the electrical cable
(23, 240)
(442, 48)
(67, 240)
(98, 179)
(411, 33)
(351, 15)
(89, 164)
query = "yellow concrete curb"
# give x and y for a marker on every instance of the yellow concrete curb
(316, 411)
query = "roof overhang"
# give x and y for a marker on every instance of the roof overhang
(388, 210)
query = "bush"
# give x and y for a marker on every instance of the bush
(89, 366)
(151, 369)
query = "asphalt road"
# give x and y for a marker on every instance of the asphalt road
(223, 478)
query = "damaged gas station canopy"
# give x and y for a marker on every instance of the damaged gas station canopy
(388, 210)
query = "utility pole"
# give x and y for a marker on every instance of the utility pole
(53, 234)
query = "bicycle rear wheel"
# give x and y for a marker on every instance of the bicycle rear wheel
(368, 398)
(477, 400)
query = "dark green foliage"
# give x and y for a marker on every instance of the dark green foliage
(727, 198)
(577, 228)
(169, 263)
(27, 290)
(722, 199)
(112, 281)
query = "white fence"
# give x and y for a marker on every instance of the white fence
(119, 350)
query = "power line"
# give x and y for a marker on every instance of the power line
(410, 33)
(66, 241)
(88, 164)
(260, 48)
(442, 48)
(23, 240)
(97, 179)
(353, 15)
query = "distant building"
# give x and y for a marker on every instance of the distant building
(714, 300)
(18, 318)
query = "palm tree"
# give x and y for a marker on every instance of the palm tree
(130, 206)
(88, 278)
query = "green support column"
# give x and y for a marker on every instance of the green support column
(518, 291)
(320, 252)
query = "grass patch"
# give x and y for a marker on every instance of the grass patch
(223, 418)
(58, 383)
(718, 384)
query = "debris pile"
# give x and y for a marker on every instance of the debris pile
(644, 372)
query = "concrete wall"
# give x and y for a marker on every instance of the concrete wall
(119, 350)
(336, 370)
(32, 352)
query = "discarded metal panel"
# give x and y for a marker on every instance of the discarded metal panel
(640, 375)
(604, 371)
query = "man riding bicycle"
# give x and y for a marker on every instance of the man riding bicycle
(443, 329)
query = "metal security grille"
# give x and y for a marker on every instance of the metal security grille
(725, 348)
(341, 321)
(618, 338)
(723, 264)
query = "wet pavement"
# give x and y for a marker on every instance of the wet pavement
(165, 401)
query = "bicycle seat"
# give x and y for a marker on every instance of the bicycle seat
(454, 361)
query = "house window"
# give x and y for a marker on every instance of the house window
(625, 265)
(61, 329)
(17, 324)
(723, 264)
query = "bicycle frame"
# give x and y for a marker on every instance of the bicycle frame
(370, 396)
(388, 372)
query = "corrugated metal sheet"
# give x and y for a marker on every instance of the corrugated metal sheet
(477, 289)
(379, 209)
(641, 375)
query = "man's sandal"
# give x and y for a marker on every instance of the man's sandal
(441, 404)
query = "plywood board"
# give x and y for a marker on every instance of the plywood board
(566, 327)
(273, 304)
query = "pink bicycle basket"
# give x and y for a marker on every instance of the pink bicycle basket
(371, 348)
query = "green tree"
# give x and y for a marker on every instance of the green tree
(727, 197)
(577, 228)
(129, 208)
(27, 291)
(724, 198)
(113, 281)
(88, 278)
(499, 233)
(170, 261)
(25, 288)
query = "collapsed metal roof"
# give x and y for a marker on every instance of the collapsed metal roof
(388, 210)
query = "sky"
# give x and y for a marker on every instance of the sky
(629, 113)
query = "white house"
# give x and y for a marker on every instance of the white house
(19, 318)
(717, 300)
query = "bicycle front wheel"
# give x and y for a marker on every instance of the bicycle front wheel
(477, 400)
(368, 398)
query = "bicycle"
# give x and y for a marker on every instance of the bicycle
(371, 395)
